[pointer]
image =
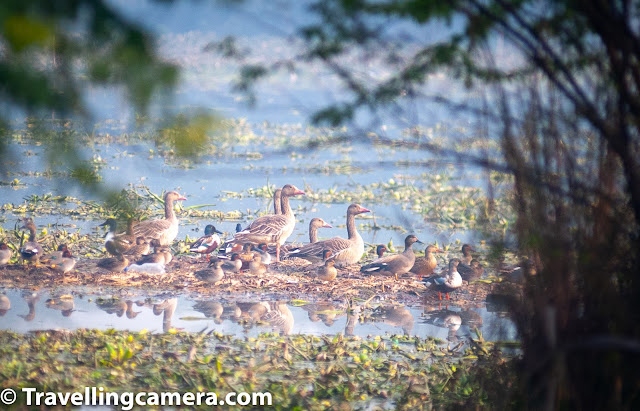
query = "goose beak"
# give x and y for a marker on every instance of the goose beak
(182, 198)
(364, 210)
(298, 193)
(325, 225)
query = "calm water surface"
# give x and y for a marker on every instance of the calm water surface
(25, 310)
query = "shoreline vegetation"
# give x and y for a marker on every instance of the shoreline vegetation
(300, 372)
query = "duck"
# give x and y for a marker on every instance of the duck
(272, 229)
(277, 202)
(327, 272)
(519, 274)
(233, 265)
(424, 266)
(208, 242)
(466, 254)
(213, 274)
(154, 262)
(64, 264)
(380, 250)
(166, 229)
(31, 250)
(246, 254)
(472, 271)
(141, 247)
(396, 264)
(256, 266)
(5, 254)
(55, 255)
(448, 283)
(118, 243)
(345, 251)
(263, 251)
(114, 264)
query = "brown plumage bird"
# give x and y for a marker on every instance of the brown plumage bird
(396, 264)
(345, 251)
(424, 266)
(164, 230)
(328, 271)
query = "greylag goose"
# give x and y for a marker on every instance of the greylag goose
(466, 254)
(472, 271)
(272, 229)
(277, 202)
(208, 242)
(344, 251)
(213, 274)
(327, 272)
(314, 224)
(424, 266)
(64, 264)
(448, 283)
(31, 250)
(5, 254)
(396, 264)
(166, 229)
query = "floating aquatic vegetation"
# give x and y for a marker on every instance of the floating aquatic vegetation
(298, 371)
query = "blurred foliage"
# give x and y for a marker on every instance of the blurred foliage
(52, 52)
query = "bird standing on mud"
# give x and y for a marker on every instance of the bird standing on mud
(31, 251)
(396, 264)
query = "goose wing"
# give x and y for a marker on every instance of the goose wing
(337, 245)
(151, 229)
(267, 225)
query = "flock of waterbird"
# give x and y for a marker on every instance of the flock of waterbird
(255, 247)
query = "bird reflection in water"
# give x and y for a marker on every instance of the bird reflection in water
(5, 304)
(64, 304)
(210, 309)
(324, 311)
(451, 319)
(31, 299)
(276, 314)
(118, 307)
(167, 308)
(395, 317)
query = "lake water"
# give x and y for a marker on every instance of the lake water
(74, 308)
